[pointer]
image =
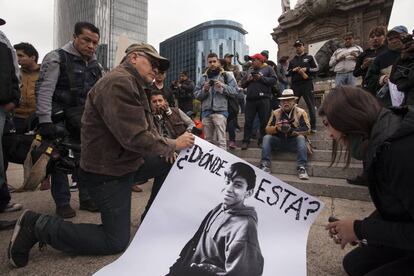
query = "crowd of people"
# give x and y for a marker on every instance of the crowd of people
(69, 109)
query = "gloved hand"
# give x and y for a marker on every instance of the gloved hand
(47, 131)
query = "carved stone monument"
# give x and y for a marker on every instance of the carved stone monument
(318, 21)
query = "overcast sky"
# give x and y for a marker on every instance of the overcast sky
(32, 21)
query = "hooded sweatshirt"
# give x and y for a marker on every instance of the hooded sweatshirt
(226, 239)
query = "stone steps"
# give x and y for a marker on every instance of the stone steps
(329, 187)
(324, 180)
(314, 168)
(318, 155)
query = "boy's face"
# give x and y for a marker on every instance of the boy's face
(235, 191)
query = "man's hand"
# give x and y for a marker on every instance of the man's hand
(171, 159)
(296, 69)
(354, 54)
(185, 140)
(9, 107)
(342, 232)
(367, 62)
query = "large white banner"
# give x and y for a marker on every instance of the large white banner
(264, 233)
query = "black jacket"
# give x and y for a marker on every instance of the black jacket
(9, 84)
(305, 60)
(185, 92)
(389, 168)
(368, 53)
(263, 87)
(381, 62)
(402, 75)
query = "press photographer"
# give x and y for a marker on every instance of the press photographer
(183, 91)
(287, 129)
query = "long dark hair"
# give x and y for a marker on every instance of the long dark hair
(351, 111)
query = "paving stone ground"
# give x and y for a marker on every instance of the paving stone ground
(323, 257)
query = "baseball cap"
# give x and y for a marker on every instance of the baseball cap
(298, 42)
(228, 55)
(2, 21)
(258, 56)
(398, 29)
(149, 50)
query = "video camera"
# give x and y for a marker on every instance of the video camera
(211, 82)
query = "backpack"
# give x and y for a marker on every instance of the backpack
(232, 103)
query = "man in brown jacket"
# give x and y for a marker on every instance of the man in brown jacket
(119, 147)
(27, 57)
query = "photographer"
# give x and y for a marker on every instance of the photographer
(66, 76)
(287, 129)
(259, 80)
(183, 91)
(383, 140)
(213, 89)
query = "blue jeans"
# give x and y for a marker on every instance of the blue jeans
(345, 79)
(61, 192)
(294, 144)
(112, 195)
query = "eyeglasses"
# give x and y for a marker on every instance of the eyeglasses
(154, 63)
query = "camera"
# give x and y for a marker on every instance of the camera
(211, 82)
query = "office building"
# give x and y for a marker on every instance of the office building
(188, 50)
(113, 18)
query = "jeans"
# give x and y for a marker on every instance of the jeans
(113, 198)
(294, 144)
(214, 127)
(305, 90)
(231, 128)
(61, 192)
(253, 107)
(345, 79)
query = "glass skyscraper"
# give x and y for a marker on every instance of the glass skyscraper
(112, 17)
(188, 50)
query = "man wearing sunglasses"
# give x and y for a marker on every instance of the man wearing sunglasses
(120, 146)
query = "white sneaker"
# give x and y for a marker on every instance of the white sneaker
(302, 174)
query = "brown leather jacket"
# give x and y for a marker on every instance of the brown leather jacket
(117, 125)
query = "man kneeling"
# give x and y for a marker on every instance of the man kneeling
(287, 129)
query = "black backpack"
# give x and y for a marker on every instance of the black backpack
(232, 103)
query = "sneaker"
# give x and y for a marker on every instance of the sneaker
(88, 205)
(23, 239)
(65, 211)
(313, 131)
(302, 174)
(265, 169)
(244, 146)
(232, 145)
(13, 207)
